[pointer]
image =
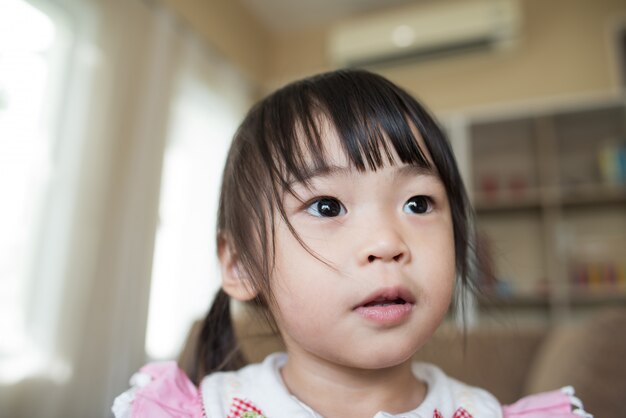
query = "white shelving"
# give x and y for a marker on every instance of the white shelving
(550, 205)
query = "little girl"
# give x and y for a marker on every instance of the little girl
(344, 219)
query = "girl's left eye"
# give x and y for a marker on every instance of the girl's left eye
(326, 207)
(418, 205)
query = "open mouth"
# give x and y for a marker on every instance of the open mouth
(385, 302)
(388, 296)
(387, 307)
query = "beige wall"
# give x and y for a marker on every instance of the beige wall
(228, 27)
(564, 50)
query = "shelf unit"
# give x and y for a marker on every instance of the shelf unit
(548, 184)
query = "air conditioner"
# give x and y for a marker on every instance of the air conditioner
(428, 30)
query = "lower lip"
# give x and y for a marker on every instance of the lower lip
(386, 315)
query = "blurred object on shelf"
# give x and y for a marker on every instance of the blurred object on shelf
(518, 186)
(594, 277)
(489, 284)
(504, 187)
(612, 162)
(505, 171)
(489, 186)
(596, 265)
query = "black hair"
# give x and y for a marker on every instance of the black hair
(279, 140)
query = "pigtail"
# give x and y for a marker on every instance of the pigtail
(217, 348)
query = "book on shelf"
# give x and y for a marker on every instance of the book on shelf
(612, 163)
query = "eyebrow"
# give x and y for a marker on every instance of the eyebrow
(407, 170)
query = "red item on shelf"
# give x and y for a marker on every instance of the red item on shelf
(518, 186)
(489, 186)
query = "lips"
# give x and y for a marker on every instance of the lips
(396, 295)
(387, 307)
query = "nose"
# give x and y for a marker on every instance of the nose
(384, 244)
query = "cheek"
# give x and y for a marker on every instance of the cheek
(296, 279)
(434, 257)
(447, 261)
(304, 288)
(446, 257)
(433, 241)
(297, 310)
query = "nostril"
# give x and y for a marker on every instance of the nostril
(372, 258)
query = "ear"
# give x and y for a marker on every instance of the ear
(234, 280)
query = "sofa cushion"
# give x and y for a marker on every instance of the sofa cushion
(494, 359)
(591, 357)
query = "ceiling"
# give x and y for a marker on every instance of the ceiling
(291, 15)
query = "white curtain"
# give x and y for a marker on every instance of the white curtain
(207, 106)
(91, 256)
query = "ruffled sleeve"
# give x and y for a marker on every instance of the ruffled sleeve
(159, 390)
(556, 404)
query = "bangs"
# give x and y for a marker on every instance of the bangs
(374, 123)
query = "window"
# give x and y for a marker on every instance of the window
(185, 273)
(32, 48)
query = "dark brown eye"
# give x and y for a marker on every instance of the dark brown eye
(418, 205)
(326, 207)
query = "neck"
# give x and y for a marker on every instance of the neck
(334, 390)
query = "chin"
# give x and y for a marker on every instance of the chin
(374, 358)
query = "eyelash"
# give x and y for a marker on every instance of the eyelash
(341, 209)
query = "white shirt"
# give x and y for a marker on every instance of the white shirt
(262, 385)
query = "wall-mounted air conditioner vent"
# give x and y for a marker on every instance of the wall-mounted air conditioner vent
(432, 30)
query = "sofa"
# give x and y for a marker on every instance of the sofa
(509, 361)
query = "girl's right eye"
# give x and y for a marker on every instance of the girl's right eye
(326, 207)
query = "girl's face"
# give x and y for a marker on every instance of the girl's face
(388, 241)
